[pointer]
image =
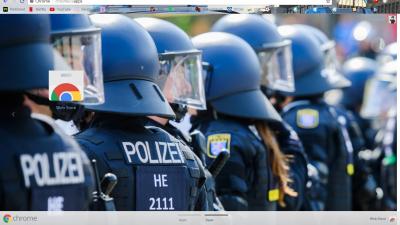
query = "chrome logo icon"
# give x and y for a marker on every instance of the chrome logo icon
(7, 218)
(66, 92)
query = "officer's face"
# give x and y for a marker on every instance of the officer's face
(176, 85)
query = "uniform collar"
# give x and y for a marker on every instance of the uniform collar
(301, 102)
(294, 104)
(119, 121)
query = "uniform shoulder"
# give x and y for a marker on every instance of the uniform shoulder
(92, 136)
(307, 115)
(227, 126)
(161, 133)
(228, 135)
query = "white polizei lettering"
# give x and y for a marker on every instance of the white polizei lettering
(174, 152)
(75, 170)
(158, 153)
(171, 152)
(64, 167)
(164, 159)
(57, 173)
(144, 159)
(149, 153)
(129, 150)
(46, 171)
(67, 167)
(27, 168)
(40, 161)
(181, 157)
(60, 167)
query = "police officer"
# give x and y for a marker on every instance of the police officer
(41, 169)
(256, 175)
(76, 47)
(363, 183)
(274, 54)
(349, 128)
(365, 186)
(315, 121)
(155, 170)
(181, 80)
(358, 70)
(380, 103)
(78, 42)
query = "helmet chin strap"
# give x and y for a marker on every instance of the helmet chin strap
(180, 111)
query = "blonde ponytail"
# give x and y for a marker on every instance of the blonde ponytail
(278, 161)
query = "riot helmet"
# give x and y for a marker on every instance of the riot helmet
(77, 45)
(130, 68)
(332, 67)
(358, 70)
(180, 76)
(233, 77)
(25, 51)
(311, 75)
(273, 51)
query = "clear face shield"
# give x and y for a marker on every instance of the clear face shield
(379, 96)
(277, 69)
(181, 79)
(330, 58)
(331, 68)
(79, 52)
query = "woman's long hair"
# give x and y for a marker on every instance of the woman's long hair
(278, 161)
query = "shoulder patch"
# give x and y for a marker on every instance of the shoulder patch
(217, 143)
(307, 118)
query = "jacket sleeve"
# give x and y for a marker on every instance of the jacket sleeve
(315, 142)
(231, 184)
(291, 146)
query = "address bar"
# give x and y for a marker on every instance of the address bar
(180, 2)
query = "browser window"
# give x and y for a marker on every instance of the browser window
(198, 112)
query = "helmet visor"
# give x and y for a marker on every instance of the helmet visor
(277, 69)
(81, 52)
(332, 66)
(330, 58)
(379, 96)
(181, 79)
